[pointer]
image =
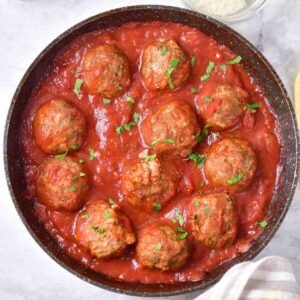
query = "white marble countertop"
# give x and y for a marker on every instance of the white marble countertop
(26, 27)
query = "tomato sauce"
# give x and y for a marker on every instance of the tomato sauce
(111, 150)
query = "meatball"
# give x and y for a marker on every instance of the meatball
(164, 65)
(221, 106)
(160, 246)
(62, 184)
(106, 70)
(231, 164)
(103, 229)
(214, 220)
(148, 182)
(59, 126)
(171, 129)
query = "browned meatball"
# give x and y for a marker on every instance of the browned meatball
(62, 184)
(59, 126)
(221, 106)
(161, 246)
(103, 229)
(214, 220)
(171, 129)
(230, 163)
(148, 182)
(106, 70)
(164, 65)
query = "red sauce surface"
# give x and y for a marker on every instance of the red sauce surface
(259, 129)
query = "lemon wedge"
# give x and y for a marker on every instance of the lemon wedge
(297, 98)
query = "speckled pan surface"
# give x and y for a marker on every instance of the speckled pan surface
(254, 63)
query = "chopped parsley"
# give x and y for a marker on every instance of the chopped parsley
(136, 118)
(77, 86)
(106, 101)
(92, 154)
(75, 147)
(85, 216)
(99, 230)
(72, 71)
(127, 126)
(156, 207)
(178, 217)
(193, 90)
(174, 64)
(236, 179)
(163, 50)
(171, 84)
(263, 223)
(193, 61)
(61, 155)
(81, 174)
(150, 157)
(196, 203)
(130, 99)
(208, 99)
(198, 159)
(155, 142)
(171, 141)
(73, 188)
(223, 67)
(81, 161)
(119, 129)
(206, 210)
(181, 233)
(200, 136)
(111, 201)
(234, 61)
(208, 70)
(107, 214)
(157, 247)
(252, 107)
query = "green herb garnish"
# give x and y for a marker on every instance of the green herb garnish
(92, 154)
(157, 246)
(193, 61)
(263, 223)
(77, 86)
(223, 68)
(111, 201)
(208, 70)
(72, 71)
(253, 107)
(179, 217)
(61, 155)
(198, 159)
(136, 118)
(156, 207)
(171, 84)
(81, 161)
(107, 214)
(163, 50)
(119, 129)
(81, 174)
(155, 142)
(85, 216)
(200, 136)
(234, 61)
(73, 188)
(193, 90)
(236, 179)
(130, 99)
(106, 101)
(150, 157)
(196, 203)
(181, 233)
(75, 147)
(174, 64)
(208, 99)
(206, 210)
(99, 230)
(171, 141)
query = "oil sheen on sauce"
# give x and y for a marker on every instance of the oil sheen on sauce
(111, 150)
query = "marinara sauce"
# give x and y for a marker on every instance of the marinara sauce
(110, 149)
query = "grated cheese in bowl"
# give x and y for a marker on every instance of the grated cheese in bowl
(219, 7)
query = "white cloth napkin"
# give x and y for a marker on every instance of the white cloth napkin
(269, 278)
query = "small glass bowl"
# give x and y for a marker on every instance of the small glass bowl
(252, 7)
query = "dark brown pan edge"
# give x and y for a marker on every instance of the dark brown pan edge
(256, 65)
